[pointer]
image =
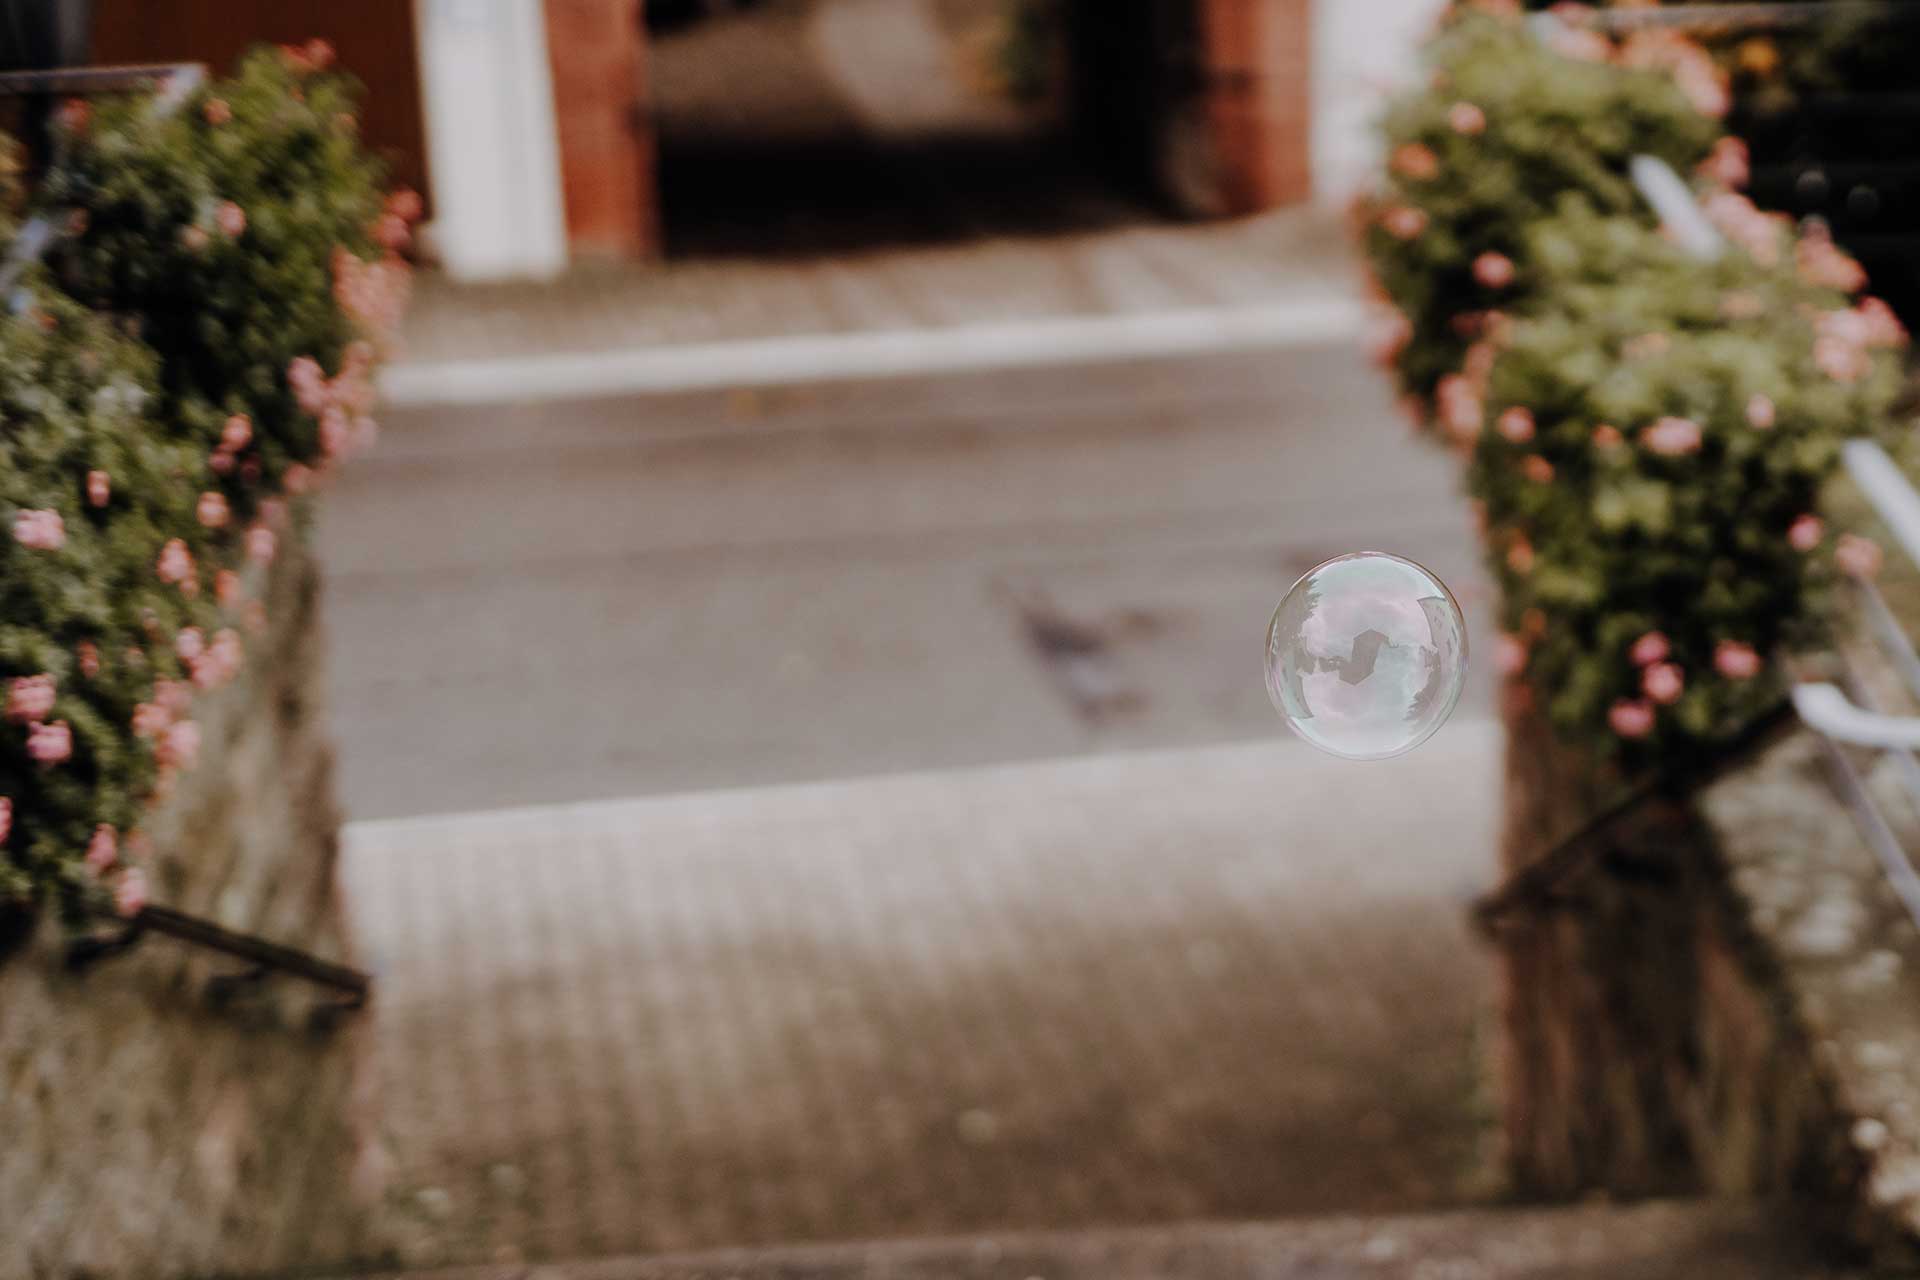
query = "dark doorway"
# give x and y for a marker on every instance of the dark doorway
(800, 126)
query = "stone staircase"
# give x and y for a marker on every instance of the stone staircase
(1223, 983)
(981, 1016)
(1660, 1241)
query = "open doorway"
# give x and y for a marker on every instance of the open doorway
(825, 125)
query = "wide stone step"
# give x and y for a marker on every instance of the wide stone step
(1665, 1241)
(1221, 983)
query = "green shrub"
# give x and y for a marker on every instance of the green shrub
(1659, 432)
(232, 231)
(203, 341)
(1647, 433)
(1502, 131)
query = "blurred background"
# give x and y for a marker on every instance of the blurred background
(795, 653)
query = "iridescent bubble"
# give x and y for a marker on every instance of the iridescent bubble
(1366, 655)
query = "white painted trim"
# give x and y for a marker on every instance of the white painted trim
(856, 356)
(493, 146)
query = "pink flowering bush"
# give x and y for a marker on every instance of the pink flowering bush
(248, 239)
(1677, 545)
(1504, 130)
(204, 343)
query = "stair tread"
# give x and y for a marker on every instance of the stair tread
(1680, 1240)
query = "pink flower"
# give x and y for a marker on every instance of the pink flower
(1840, 360)
(87, 654)
(193, 238)
(1760, 412)
(1579, 43)
(1515, 425)
(1415, 160)
(1467, 119)
(1740, 221)
(6, 818)
(236, 432)
(1460, 408)
(50, 744)
(1493, 270)
(297, 478)
(1390, 336)
(226, 588)
(227, 654)
(1649, 649)
(404, 202)
(130, 894)
(74, 115)
(220, 462)
(189, 644)
(1631, 718)
(261, 544)
(99, 488)
(336, 431)
(309, 384)
(217, 112)
(150, 720)
(30, 698)
(212, 510)
(1537, 469)
(1857, 556)
(175, 695)
(390, 232)
(1663, 682)
(180, 745)
(1804, 533)
(1736, 661)
(1879, 326)
(1693, 69)
(319, 54)
(231, 219)
(1404, 222)
(103, 850)
(1825, 265)
(1606, 437)
(1727, 164)
(39, 530)
(175, 563)
(1672, 437)
(1509, 654)
(1520, 556)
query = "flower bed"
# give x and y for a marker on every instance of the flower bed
(200, 345)
(1648, 433)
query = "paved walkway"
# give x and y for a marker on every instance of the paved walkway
(582, 600)
(1213, 983)
(1297, 257)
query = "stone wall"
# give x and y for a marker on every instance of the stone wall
(1725, 999)
(144, 1131)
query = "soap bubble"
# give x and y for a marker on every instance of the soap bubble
(1366, 655)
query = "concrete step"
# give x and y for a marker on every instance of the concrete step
(1671, 1241)
(1211, 983)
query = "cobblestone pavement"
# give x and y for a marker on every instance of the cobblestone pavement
(1131, 268)
(1675, 1241)
(1227, 982)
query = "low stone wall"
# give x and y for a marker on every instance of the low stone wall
(1725, 999)
(142, 1130)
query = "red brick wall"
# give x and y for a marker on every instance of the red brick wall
(607, 168)
(1260, 57)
